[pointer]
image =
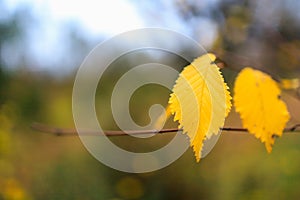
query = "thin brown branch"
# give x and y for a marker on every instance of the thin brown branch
(71, 132)
(222, 63)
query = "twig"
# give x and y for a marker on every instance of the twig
(71, 132)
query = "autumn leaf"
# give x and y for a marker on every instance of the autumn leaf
(256, 99)
(200, 101)
(289, 84)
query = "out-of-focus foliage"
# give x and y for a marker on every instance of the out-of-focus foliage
(39, 166)
(50, 167)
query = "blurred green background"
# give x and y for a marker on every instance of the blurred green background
(37, 71)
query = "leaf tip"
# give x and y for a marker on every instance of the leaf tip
(269, 147)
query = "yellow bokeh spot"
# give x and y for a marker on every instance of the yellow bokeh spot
(130, 188)
(12, 190)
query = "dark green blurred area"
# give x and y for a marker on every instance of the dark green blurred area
(36, 165)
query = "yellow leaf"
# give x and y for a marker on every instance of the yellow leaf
(200, 101)
(256, 99)
(289, 83)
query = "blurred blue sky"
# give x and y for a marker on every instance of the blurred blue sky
(50, 26)
(46, 33)
(103, 17)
